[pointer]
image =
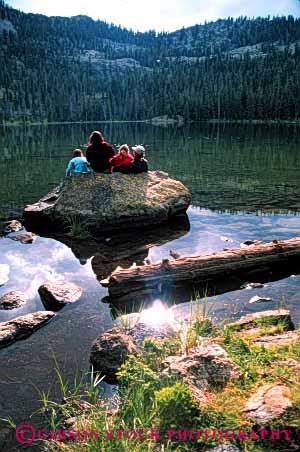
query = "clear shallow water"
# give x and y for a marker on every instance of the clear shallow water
(244, 183)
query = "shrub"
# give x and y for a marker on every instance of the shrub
(175, 407)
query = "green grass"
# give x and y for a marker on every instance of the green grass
(152, 400)
(77, 228)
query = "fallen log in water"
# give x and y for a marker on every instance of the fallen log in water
(152, 280)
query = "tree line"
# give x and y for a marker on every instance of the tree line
(77, 69)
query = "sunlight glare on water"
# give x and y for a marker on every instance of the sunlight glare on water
(157, 315)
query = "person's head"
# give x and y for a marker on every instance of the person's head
(139, 151)
(77, 153)
(96, 137)
(124, 150)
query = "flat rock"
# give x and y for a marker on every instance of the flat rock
(4, 272)
(290, 362)
(27, 238)
(269, 403)
(288, 338)
(22, 327)
(12, 300)
(55, 295)
(258, 299)
(256, 319)
(110, 350)
(205, 368)
(109, 202)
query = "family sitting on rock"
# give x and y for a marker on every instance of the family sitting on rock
(102, 158)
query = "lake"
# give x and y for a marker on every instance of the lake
(244, 182)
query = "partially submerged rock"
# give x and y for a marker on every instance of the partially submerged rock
(269, 403)
(26, 238)
(205, 368)
(12, 226)
(279, 340)
(55, 295)
(12, 300)
(252, 285)
(256, 319)
(109, 202)
(23, 326)
(110, 350)
(258, 299)
(4, 272)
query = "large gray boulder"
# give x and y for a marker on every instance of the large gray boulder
(22, 326)
(111, 202)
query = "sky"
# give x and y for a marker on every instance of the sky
(161, 15)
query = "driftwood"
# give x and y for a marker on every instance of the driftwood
(239, 263)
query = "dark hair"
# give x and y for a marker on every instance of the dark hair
(96, 137)
(77, 153)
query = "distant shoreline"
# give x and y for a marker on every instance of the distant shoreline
(149, 121)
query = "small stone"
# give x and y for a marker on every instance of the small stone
(110, 350)
(175, 255)
(225, 448)
(252, 285)
(226, 239)
(55, 295)
(258, 299)
(270, 402)
(26, 238)
(22, 327)
(12, 226)
(12, 300)
(4, 272)
(250, 243)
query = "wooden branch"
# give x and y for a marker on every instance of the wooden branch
(198, 269)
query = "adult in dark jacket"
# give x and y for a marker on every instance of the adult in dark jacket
(99, 152)
(139, 164)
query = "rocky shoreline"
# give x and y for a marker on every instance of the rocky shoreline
(218, 377)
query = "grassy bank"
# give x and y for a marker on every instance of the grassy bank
(157, 404)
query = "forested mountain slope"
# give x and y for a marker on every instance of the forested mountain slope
(71, 69)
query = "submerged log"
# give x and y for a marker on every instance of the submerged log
(236, 262)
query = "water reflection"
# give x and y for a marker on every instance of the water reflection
(207, 234)
(125, 249)
(231, 170)
(227, 168)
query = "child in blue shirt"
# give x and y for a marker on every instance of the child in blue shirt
(78, 164)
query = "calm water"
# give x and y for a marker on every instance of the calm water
(244, 182)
